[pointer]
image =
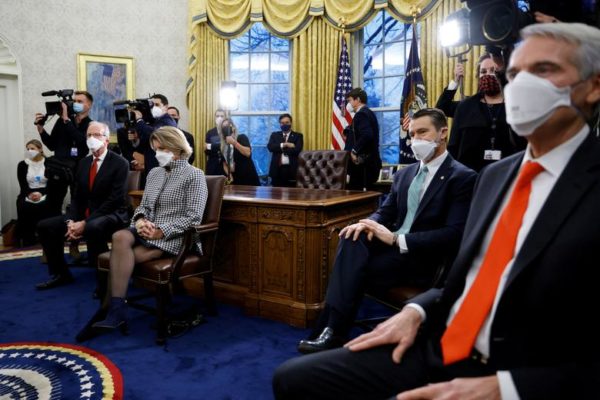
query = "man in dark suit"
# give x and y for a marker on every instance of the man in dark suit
(174, 113)
(531, 243)
(98, 207)
(285, 145)
(426, 209)
(212, 147)
(362, 141)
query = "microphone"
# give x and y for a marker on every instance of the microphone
(50, 93)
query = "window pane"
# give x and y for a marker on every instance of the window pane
(373, 61)
(261, 157)
(259, 38)
(374, 89)
(240, 44)
(280, 67)
(240, 65)
(394, 58)
(241, 122)
(393, 91)
(373, 31)
(389, 128)
(259, 67)
(278, 44)
(259, 97)
(243, 100)
(280, 97)
(389, 154)
(394, 30)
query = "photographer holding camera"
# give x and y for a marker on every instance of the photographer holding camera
(67, 139)
(145, 128)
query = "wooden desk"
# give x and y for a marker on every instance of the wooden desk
(276, 247)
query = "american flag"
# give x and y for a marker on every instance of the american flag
(341, 115)
(414, 98)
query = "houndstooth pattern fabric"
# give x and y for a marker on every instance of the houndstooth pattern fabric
(174, 201)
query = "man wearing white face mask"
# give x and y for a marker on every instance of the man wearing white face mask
(515, 319)
(144, 129)
(98, 207)
(417, 228)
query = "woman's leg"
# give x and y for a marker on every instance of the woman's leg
(122, 261)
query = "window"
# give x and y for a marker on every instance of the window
(260, 64)
(386, 44)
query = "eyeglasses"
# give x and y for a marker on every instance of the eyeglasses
(96, 135)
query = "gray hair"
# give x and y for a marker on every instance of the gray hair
(105, 128)
(173, 139)
(586, 37)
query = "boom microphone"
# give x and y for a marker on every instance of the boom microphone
(50, 93)
(121, 102)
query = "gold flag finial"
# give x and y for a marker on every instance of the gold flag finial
(414, 11)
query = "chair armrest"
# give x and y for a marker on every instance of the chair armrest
(206, 228)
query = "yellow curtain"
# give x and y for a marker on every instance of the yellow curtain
(207, 68)
(315, 55)
(288, 18)
(438, 68)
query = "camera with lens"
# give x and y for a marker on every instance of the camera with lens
(55, 107)
(126, 115)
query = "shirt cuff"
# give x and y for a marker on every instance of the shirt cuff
(421, 312)
(208, 146)
(452, 85)
(402, 244)
(281, 145)
(508, 390)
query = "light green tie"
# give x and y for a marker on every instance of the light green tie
(412, 201)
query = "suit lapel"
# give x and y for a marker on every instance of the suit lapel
(440, 178)
(575, 181)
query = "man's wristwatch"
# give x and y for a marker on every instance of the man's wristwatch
(395, 240)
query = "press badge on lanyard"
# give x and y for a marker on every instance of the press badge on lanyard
(491, 154)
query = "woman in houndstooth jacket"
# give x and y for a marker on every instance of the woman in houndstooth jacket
(174, 200)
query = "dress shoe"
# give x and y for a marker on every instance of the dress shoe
(116, 317)
(55, 281)
(326, 340)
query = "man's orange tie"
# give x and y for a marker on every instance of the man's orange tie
(93, 172)
(460, 335)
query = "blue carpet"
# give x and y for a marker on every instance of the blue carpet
(229, 357)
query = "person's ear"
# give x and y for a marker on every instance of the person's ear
(593, 97)
(444, 133)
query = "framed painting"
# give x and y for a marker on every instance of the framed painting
(108, 79)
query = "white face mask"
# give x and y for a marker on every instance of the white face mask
(164, 157)
(218, 120)
(531, 100)
(157, 112)
(31, 154)
(423, 149)
(94, 144)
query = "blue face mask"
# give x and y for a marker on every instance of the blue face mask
(285, 127)
(77, 107)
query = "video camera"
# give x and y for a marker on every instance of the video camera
(55, 107)
(126, 115)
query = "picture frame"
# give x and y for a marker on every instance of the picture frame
(108, 79)
(386, 174)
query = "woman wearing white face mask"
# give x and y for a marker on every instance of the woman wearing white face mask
(32, 203)
(174, 200)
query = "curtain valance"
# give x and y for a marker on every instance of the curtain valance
(288, 18)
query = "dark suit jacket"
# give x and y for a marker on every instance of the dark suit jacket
(213, 156)
(446, 102)
(274, 147)
(544, 331)
(363, 139)
(108, 196)
(442, 212)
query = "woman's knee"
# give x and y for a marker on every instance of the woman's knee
(123, 238)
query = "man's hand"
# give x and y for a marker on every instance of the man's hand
(484, 388)
(544, 18)
(459, 72)
(38, 117)
(354, 158)
(75, 230)
(64, 114)
(401, 329)
(289, 144)
(138, 114)
(379, 231)
(354, 230)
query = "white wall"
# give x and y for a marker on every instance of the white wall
(46, 35)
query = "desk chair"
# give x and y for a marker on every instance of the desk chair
(322, 169)
(164, 277)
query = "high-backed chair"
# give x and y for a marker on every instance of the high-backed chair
(322, 169)
(164, 276)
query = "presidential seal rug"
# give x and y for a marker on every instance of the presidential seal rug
(37, 370)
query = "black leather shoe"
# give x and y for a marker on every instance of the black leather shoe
(326, 340)
(55, 281)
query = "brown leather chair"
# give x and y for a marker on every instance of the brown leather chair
(322, 169)
(395, 298)
(164, 277)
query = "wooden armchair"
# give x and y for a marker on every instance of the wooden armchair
(164, 277)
